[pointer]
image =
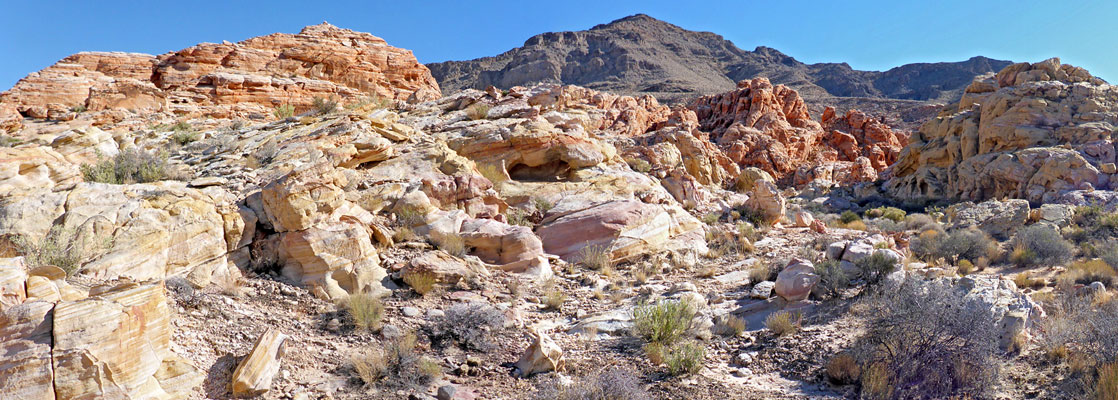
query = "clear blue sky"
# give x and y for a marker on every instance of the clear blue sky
(871, 35)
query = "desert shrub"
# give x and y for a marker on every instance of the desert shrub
(468, 325)
(185, 137)
(663, 322)
(61, 247)
(541, 205)
(130, 166)
(80, 108)
(1106, 387)
(747, 230)
(366, 310)
(883, 225)
(1087, 271)
(760, 272)
(324, 106)
(969, 244)
(284, 111)
(926, 340)
(733, 325)
(1096, 223)
(639, 165)
(832, 280)
(711, 218)
(477, 111)
(1040, 245)
(684, 357)
(849, 216)
(453, 244)
(595, 257)
(753, 216)
(266, 153)
(518, 216)
(843, 369)
(409, 217)
(8, 141)
(964, 267)
(615, 383)
(891, 213)
(1026, 280)
(397, 365)
(492, 172)
(920, 222)
(554, 298)
(875, 267)
(421, 282)
(237, 125)
(374, 100)
(783, 323)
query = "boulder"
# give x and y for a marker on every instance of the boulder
(624, 229)
(255, 372)
(762, 290)
(511, 248)
(795, 281)
(302, 198)
(542, 355)
(334, 259)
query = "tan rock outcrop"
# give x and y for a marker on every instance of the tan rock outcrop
(765, 200)
(542, 355)
(26, 371)
(1033, 132)
(795, 281)
(112, 344)
(227, 79)
(254, 374)
(512, 248)
(623, 228)
(34, 167)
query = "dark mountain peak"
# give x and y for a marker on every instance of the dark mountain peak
(633, 20)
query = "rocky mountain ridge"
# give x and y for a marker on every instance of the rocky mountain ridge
(640, 54)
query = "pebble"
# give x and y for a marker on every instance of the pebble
(435, 313)
(410, 311)
(390, 332)
(333, 325)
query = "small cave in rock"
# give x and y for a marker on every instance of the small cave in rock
(555, 171)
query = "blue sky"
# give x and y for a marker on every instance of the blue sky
(871, 35)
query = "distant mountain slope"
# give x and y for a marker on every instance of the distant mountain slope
(640, 54)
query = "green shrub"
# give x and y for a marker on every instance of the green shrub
(831, 278)
(891, 213)
(324, 106)
(663, 322)
(130, 166)
(185, 137)
(80, 108)
(1096, 223)
(284, 111)
(875, 267)
(1040, 245)
(421, 282)
(685, 357)
(849, 216)
(920, 223)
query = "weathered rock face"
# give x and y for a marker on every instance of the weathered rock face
(242, 79)
(541, 356)
(1033, 132)
(114, 344)
(624, 229)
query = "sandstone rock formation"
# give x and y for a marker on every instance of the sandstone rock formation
(768, 127)
(1032, 131)
(244, 79)
(114, 344)
(254, 374)
(542, 355)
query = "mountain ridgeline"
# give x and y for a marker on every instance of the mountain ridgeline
(640, 54)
